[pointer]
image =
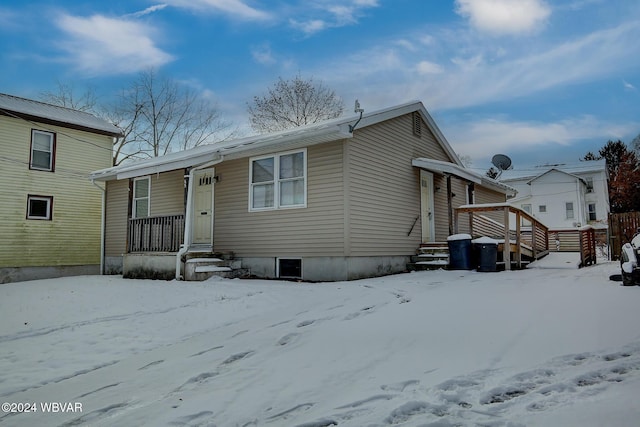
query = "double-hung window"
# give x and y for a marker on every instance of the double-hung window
(569, 209)
(278, 181)
(42, 150)
(141, 192)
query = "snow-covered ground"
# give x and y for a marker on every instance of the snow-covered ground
(547, 346)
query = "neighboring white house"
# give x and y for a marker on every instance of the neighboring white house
(562, 195)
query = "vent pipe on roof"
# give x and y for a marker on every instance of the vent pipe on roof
(356, 109)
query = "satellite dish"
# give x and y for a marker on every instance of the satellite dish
(501, 161)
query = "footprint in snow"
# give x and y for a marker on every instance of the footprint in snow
(401, 386)
(238, 356)
(288, 338)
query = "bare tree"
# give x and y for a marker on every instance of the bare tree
(292, 103)
(67, 96)
(158, 116)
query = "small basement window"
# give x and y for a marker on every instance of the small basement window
(289, 268)
(39, 207)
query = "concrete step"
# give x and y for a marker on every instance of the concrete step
(427, 265)
(203, 268)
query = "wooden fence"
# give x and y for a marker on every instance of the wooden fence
(622, 227)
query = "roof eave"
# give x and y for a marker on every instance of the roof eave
(245, 148)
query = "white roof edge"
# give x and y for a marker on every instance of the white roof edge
(307, 135)
(205, 153)
(447, 168)
(460, 171)
(557, 170)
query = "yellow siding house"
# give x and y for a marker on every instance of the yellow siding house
(50, 211)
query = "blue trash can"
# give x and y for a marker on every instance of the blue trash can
(487, 253)
(460, 254)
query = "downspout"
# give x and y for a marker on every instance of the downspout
(581, 202)
(102, 224)
(184, 248)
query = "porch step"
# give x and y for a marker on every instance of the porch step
(202, 267)
(430, 256)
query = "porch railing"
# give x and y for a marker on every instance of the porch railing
(155, 234)
(508, 223)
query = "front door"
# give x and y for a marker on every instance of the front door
(426, 206)
(203, 207)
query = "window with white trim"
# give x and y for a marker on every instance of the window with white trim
(42, 150)
(592, 212)
(278, 181)
(141, 193)
(569, 209)
(542, 208)
(39, 207)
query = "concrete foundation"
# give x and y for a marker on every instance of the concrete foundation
(20, 274)
(149, 266)
(329, 269)
(113, 265)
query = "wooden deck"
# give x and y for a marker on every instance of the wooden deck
(528, 238)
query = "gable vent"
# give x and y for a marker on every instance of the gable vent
(417, 124)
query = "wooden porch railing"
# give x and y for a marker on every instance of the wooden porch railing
(527, 234)
(155, 234)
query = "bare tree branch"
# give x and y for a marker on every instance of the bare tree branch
(293, 103)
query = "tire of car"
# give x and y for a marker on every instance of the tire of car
(627, 280)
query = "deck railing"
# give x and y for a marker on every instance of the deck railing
(516, 227)
(155, 234)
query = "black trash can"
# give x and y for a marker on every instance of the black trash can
(487, 254)
(460, 252)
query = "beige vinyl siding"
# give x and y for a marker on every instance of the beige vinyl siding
(116, 217)
(384, 191)
(166, 198)
(441, 214)
(486, 195)
(317, 230)
(72, 237)
(167, 193)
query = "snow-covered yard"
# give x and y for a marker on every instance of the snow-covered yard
(551, 346)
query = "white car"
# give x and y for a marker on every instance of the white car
(629, 262)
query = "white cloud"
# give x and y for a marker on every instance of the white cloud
(263, 54)
(480, 139)
(628, 86)
(147, 11)
(426, 67)
(583, 60)
(308, 27)
(99, 45)
(504, 16)
(236, 8)
(331, 15)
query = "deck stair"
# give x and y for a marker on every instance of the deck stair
(430, 256)
(200, 266)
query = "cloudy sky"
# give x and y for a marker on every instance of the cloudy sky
(538, 80)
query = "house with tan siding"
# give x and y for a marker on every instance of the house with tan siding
(51, 213)
(338, 200)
